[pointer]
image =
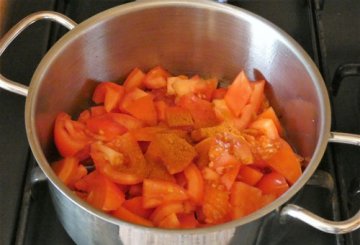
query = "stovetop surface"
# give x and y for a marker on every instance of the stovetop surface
(328, 30)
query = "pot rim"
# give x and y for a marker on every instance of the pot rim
(82, 28)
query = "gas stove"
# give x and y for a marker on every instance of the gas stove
(328, 30)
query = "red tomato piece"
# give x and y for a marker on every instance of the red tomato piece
(202, 111)
(69, 170)
(267, 127)
(228, 178)
(269, 113)
(108, 93)
(245, 118)
(202, 148)
(221, 110)
(125, 165)
(104, 194)
(134, 79)
(257, 95)
(125, 214)
(135, 205)
(249, 175)
(245, 198)
(175, 152)
(195, 183)
(285, 162)
(135, 190)
(157, 171)
(97, 110)
(143, 108)
(210, 174)
(219, 93)
(69, 135)
(178, 117)
(188, 221)
(156, 78)
(105, 127)
(238, 94)
(216, 204)
(161, 212)
(158, 192)
(161, 107)
(273, 183)
(170, 222)
(127, 121)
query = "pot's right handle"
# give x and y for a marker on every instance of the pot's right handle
(8, 84)
(334, 227)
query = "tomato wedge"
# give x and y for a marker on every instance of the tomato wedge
(135, 205)
(69, 170)
(238, 94)
(158, 192)
(134, 79)
(69, 135)
(195, 183)
(110, 94)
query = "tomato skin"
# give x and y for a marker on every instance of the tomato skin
(195, 183)
(158, 192)
(69, 136)
(238, 94)
(273, 183)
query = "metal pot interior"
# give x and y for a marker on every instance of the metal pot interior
(185, 37)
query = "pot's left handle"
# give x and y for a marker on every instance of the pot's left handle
(5, 41)
(334, 227)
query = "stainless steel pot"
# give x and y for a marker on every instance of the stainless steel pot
(186, 37)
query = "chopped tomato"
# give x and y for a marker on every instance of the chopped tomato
(104, 194)
(188, 221)
(257, 96)
(228, 178)
(127, 121)
(238, 94)
(156, 78)
(69, 170)
(161, 107)
(165, 210)
(143, 108)
(175, 152)
(285, 162)
(273, 183)
(216, 204)
(105, 127)
(135, 205)
(126, 165)
(219, 93)
(202, 111)
(158, 171)
(195, 183)
(178, 117)
(245, 118)
(125, 214)
(69, 135)
(158, 192)
(269, 113)
(221, 110)
(202, 148)
(110, 94)
(171, 222)
(249, 175)
(135, 190)
(267, 127)
(245, 198)
(134, 79)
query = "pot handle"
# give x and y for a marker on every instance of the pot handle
(8, 84)
(334, 227)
